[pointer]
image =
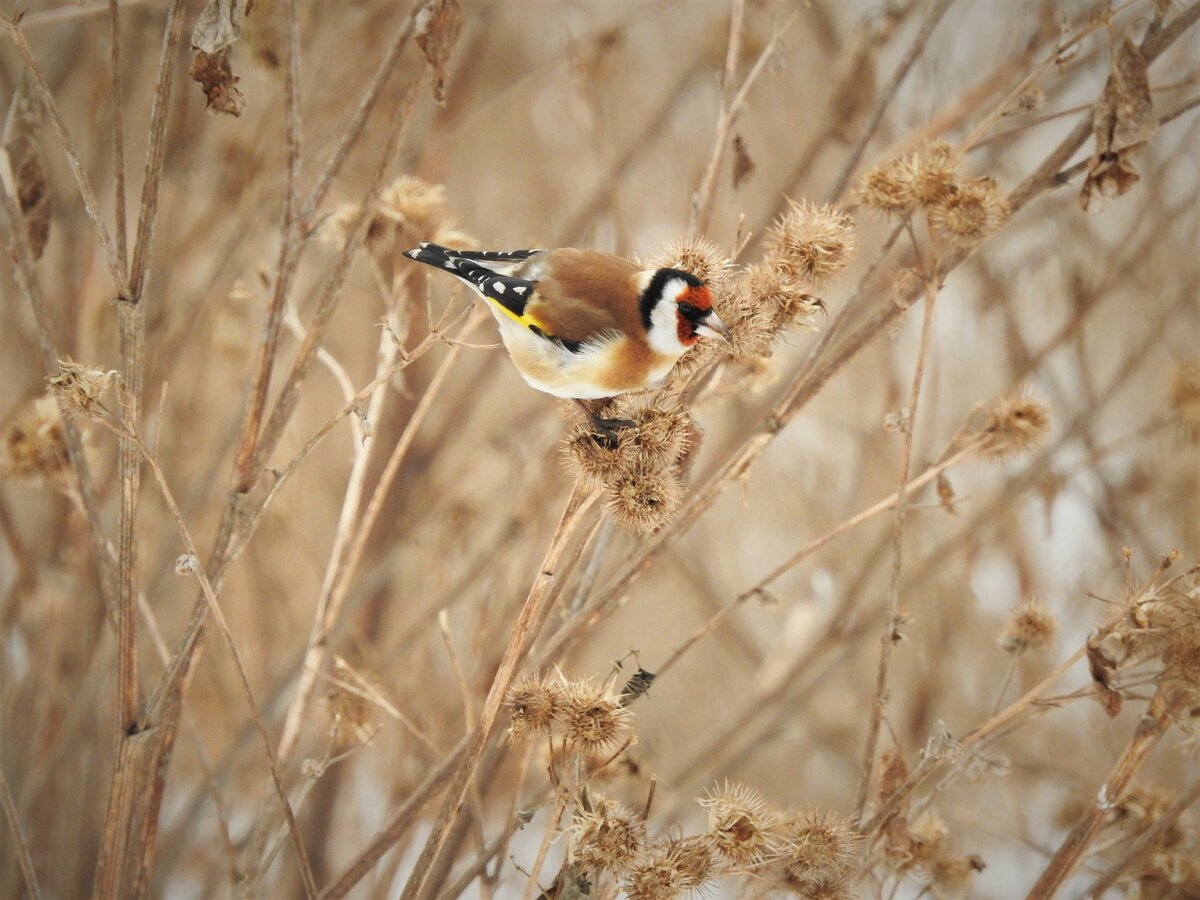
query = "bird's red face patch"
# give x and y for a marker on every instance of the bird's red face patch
(693, 304)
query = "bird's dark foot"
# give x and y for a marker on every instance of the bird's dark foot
(607, 430)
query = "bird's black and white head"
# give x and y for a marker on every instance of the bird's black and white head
(677, 310)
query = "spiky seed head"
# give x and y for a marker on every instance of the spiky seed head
(81, 389)
(591, 716)
(968, 214)
(34, 444)
(1016, 424)
(934, 173)
(671, 868)
(888, 188)
(533, 704)
(811, 243)
(699, 256)
(823, 888)
(610, 838)
(756, 310)
(819, 845)
(1031, 626)
(739, 824)
(645, 499)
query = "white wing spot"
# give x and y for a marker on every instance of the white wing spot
(499, 287)
(520, 289)
(449, 264)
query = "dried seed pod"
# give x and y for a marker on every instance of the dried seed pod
(1030, 627)
(739, 824)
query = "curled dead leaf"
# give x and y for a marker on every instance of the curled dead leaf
(1123, 122)
(1102, 668)
(945, 494)
(436, 26)
(214, 74)
(743, 162)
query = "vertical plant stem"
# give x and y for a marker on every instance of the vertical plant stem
(118, 132)
(522, 635)
(891, 622)
(22, 847)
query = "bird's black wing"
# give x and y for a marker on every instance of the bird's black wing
(472, 266)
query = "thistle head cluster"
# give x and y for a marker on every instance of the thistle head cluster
(961, 210)
(586, 715)
(79, 388)
(640, 467)
(1030, 627)
(1015, 425)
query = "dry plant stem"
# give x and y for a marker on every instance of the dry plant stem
(929, 475)
(887, 639)
(118, 132)
(1150, 728)
(333, 596)
(533, 609)
(886, 96)
(702, 201)
(218, 616)
(1144, 840)
(285, 268)
(702, 206)
(26, 277)
(14, 825)
(809, 381)
(68, 144)
(560, 806)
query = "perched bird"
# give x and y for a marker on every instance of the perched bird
(581, 324)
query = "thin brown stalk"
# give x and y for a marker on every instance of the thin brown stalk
(118, 131)
(891, 622)
(218, 616)
(91, 205)
(533, 609)
(285, 267)
(1150, 729)
(28, 872)
(886, 96)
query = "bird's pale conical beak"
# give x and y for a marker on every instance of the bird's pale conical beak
(712, 326)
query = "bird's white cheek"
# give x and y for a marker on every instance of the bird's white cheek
(664, 330)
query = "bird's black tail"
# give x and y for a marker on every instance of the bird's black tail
(472, 266)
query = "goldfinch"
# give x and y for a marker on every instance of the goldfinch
(581, 324)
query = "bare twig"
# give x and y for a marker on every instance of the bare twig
(28, 872)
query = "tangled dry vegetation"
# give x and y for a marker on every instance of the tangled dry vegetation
(304, 593)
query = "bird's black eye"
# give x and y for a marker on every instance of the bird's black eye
(691, 312)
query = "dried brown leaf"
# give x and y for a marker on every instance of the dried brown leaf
(219, 24)
(1103, 667)
(214, 74)
(1122, 123)
(945, 494)
(743, 162)
(437, 24)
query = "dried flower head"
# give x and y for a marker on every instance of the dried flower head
(950, 876)
(1029, 101)
(739, 824)
(1157, 622)
(810, 243)
(1185, 399)
(34, 445)
(1016, 424)
(672, 868)
(701, 257)
(186, 564)
(933, 172)
(591, 716)
(929, 835)
(408, 211)
(970, 213)
(658, 438)
(645, 499)
(757, 310)
(609, 838)
(889, 187)
(1030, 627)
(819, 846)
(533, 704)
(80, 388)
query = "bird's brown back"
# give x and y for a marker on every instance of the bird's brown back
(583, 293)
